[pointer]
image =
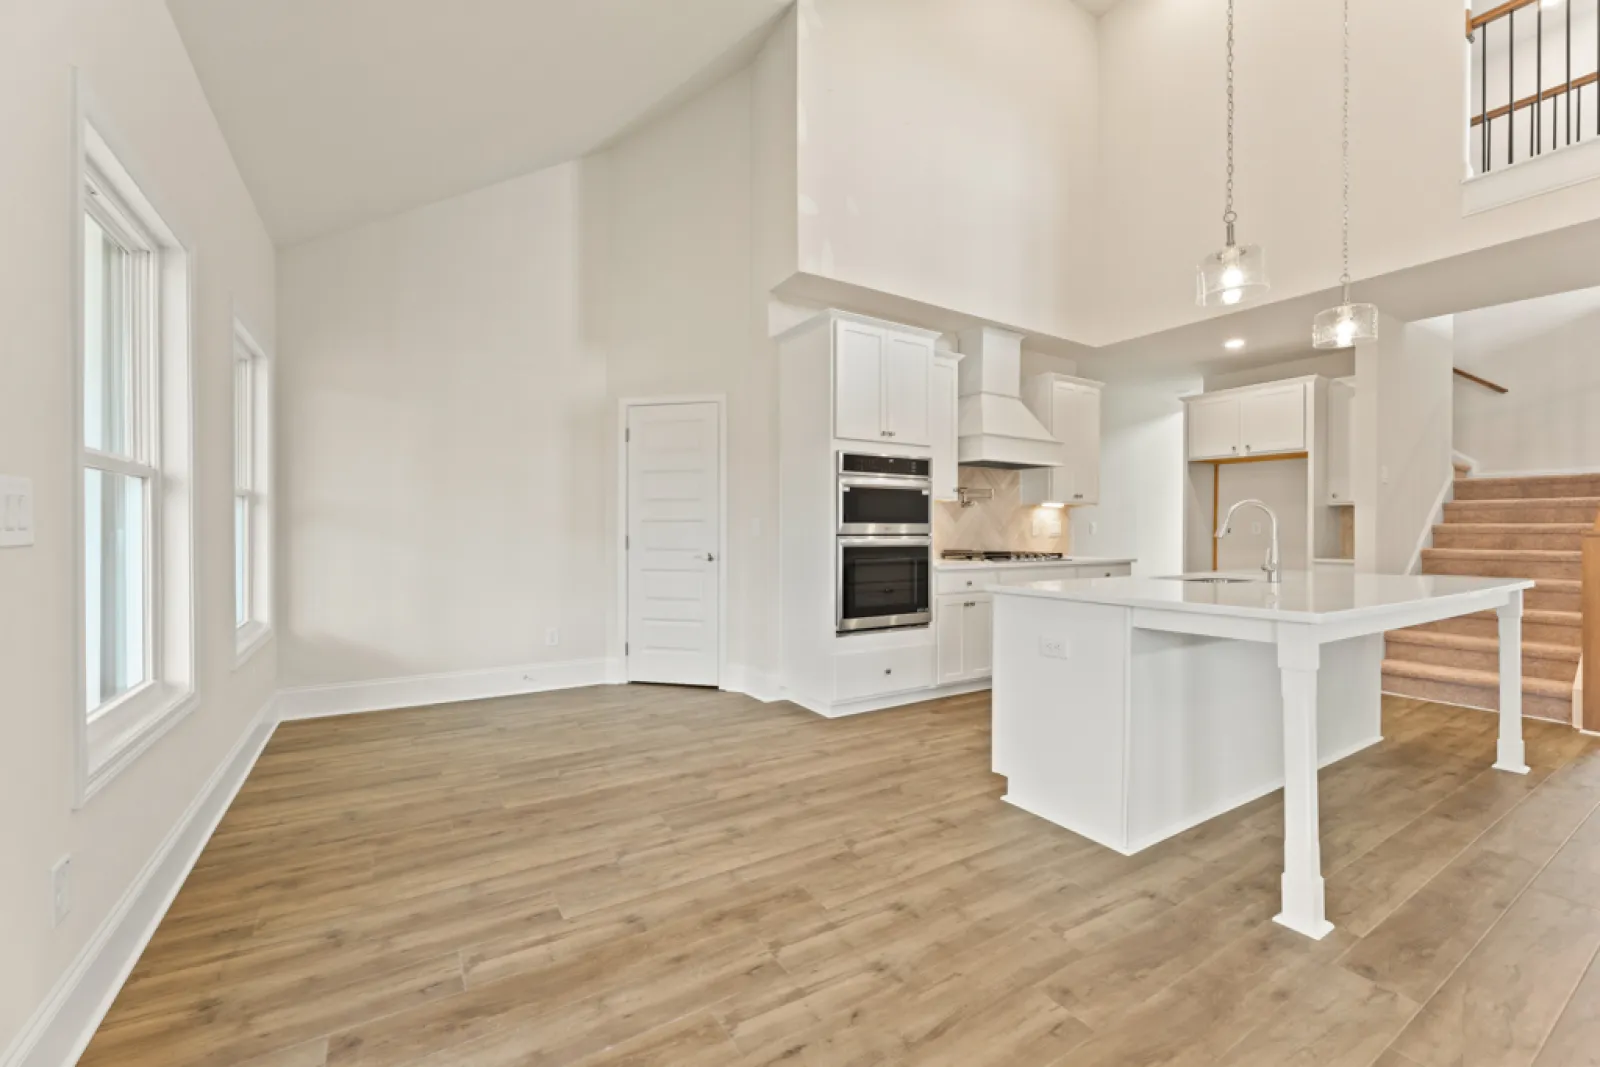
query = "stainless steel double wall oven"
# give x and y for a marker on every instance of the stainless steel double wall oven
(885, 542)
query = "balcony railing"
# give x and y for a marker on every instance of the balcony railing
(1531, 62)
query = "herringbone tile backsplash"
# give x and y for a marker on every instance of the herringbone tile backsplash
(1003, 523)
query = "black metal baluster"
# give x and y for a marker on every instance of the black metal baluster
(1569, 73)
(1597, 67)
(1483, 96)
(1511, 88)
(1538, 80)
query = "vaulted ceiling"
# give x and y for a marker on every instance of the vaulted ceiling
(340, 111)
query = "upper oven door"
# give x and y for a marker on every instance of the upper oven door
(879, 505)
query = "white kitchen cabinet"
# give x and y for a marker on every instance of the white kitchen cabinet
(1273, 420)
(942, 404)
(1214, 427)
(965, 637)
(1069, 408)
(882, 381)
(1341, 442)
(1252, 421)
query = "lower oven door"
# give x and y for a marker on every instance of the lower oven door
(884, 583)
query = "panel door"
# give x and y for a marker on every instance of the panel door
(674, 534)
(1273, 420)
(977, 636)
(942, 428)
(858, 383)
(1214, 428)
(950, 631)
(1077, 424)
(908, 368)
(1340, 442)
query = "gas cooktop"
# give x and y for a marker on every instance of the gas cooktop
(975, 556)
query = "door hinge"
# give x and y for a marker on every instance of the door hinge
(627, 435)
(627, 542)
(625, 648)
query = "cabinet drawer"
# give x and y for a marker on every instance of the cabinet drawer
(860, 675)
(962, 581)
(1106, 570)
(1024, 575)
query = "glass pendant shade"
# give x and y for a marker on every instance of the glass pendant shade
(1343, 326)
(1231, 276)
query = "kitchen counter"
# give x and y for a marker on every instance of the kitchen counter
(990, 564)
(1131, 709)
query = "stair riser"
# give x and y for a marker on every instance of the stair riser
(1534, 706)
(1527, 488)
(1568, 636)
(1473, 660)
(1537, 599)
(1525, 511)
(1450, 537)
(1503, 568)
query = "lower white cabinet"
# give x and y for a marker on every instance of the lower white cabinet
(863, 675)
(965, 623)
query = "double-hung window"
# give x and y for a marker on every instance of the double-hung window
(136, 651)
(252, 550)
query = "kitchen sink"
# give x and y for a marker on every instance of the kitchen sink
(1212, 579)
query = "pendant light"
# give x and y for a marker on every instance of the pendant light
(1238, 271)
(1343, 326)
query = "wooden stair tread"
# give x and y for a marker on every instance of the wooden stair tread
(1546, 585)
(1517, 527)
(1466, 642)
(1477, 679)
(1528, 555)
(1476, 503)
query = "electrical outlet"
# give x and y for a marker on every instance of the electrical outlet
(61, 890)
(1383, 475)
(16, 512)
(1094, 527)
(1054, 648)
(552, 636)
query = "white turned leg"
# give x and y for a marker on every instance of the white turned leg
(1303, 898)
(1510, 755)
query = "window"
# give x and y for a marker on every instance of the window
(134, 471)
(252, 552)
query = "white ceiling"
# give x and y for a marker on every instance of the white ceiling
(1097, 7)
(341, 111)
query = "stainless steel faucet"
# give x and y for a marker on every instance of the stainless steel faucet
(1272, 566)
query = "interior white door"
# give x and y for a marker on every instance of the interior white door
(674, 543)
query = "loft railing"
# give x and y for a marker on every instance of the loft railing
(1588, 716)
(1530, 71)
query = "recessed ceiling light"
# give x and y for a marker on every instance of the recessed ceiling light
(1233, 344)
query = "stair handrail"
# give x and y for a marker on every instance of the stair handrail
(1590, 605)
(1486, 383)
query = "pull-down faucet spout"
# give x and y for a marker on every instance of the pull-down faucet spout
(1272, 566)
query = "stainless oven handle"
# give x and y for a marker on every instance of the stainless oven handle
(874, 481)
(885, 542)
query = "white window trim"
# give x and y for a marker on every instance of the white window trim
(121, 730)
(256, 631)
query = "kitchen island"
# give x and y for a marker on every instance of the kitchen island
(1130, 709)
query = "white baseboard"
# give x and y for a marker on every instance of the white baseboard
(883, 703)
(60, 1030)
(757, 685)
(387, 694)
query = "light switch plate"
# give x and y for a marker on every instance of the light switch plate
(16, 511)
(1055, 648)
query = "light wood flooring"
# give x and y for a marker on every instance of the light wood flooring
(651, 876)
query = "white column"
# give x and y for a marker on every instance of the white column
(1510, 755)
(1303, 901)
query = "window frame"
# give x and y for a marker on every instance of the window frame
(252, 444)
(110, 735)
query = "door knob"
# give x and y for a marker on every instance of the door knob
(710, 558)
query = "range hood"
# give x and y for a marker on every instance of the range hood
(994, 427)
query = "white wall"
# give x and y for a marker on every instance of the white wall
(1337, 364)
(1142, 479)
(446, 447)
(1544, 352)
(1401, 421)
(1161, 134)
(947, 154)
(150, 105)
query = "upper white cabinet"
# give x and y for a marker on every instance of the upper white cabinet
(882, 383)
(942, 406)
(1341, 440)
(1070, 409)
(1254, 421)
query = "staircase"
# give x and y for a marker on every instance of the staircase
(1512, 527)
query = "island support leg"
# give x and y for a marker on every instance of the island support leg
(1303, 899)
(1510, 755)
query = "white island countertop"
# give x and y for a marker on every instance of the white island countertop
(1019, 564)
(1302, 596)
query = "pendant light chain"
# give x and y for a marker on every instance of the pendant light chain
(1344, 278)
(1229, 216)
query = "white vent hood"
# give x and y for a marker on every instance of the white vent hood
(995, 427)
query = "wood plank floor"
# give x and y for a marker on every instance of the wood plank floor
(651, 876)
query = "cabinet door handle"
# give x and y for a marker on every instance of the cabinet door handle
(1236, 448)
(888, 670)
